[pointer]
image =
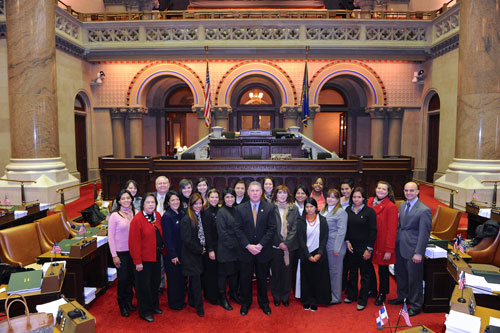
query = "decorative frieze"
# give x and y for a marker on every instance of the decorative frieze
(64, 25)
(447, 25)
(171, 34)
(252, 33)
(334, 33)
(396, 34)
(113, 35)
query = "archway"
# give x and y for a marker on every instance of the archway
(433, 105)
(255, 103)
(81, 106)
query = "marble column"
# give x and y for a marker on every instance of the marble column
(377, 115)
(118, 127)
(135, 115)
(309, 130)
(202, 129)
(221, 117)
(34, 133)
(395, 116)
(477, 147)
(290, 116)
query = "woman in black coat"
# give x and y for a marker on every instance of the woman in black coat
(171, 225)
(360, 237)
(209, 277)
(193, 248)
(312, 233)
(227, 249)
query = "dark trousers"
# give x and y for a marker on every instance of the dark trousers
(227, 271)
(162, 273)
(176, 285)
(383, 280)
(209, 279)
(246, 271)
(194, 292)
(355, 263)
(294, 261)
(280, 278)
(409, 277)
(147, 284)
(125, 275)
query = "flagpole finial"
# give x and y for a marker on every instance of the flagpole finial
(307, 52)
(206, 52)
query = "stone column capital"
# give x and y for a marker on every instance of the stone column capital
(290, 112)
(395, 112)
(312, 112)
(376, 112)
(118, 112)
(136, 112)
(221, 112)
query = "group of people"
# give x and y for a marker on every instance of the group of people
(211, 245)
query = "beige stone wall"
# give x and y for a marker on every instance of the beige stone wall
(4, 109)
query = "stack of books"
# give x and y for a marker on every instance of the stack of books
(112, 274)
(25, 282)
(458, 322)
(89, 293)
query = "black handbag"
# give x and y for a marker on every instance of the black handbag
(93, 215)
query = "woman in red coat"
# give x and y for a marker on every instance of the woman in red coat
(146, 247)
(383, 204)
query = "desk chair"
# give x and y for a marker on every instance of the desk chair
(20, 245)
(445, 223)
(61, 208)
(51, 228)
(482, 254)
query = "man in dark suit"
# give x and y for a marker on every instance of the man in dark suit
(415, 222)
(255, 229)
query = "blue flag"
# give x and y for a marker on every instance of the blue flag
(305, 98)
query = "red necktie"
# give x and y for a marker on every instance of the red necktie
(254, 213)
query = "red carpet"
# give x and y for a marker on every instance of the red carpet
(337, 318)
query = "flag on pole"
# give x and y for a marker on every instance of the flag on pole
(455, 245)
(82, 230)
(305, 98)
(405, 315)
(474, 196)
(207, 113)
(383, 317)
(56, 248)
(461, 283)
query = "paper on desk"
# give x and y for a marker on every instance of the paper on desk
(435, 252)
(105, 204)
(495, 287)
(46, 265)
(51, 307)
(44, 206)
(20, 213)
(478, 284)
(485, 212)
(495, 321)
(462, 322)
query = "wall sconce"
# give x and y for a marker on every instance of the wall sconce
(99, 80)
(418, 77)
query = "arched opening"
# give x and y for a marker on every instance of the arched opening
(80, 108)
(170, 121)
(342, 125)
(256, 104)
(433, 110)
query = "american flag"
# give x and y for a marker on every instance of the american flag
(56, 248)
(82, 230)
(474, 196)
(461, 282)
(406, 316)
(383, 317)
(207, 114)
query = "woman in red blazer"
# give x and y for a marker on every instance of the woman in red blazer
(383, 204)
(146, 248)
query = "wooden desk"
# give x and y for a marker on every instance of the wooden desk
(91, 270)
(438, 288)
(264, 146)
(33, 299)
(34, 213)
(475, 219)
(485, 314)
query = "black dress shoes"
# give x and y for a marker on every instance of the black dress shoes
(380, 299)
(225, 304)
(286, 303)
(266, 309)
(276, 303)
(396, 301)
(244, 310)
(148, 318)
(413, 312)
(124, 311)
(157, 311)
(130, 307)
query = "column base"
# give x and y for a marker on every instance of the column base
(465, 175)
(50, 174)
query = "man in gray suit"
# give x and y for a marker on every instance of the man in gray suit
(415, 222)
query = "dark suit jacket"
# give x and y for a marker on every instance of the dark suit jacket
(228, 248)
(192, 261)
(414, 229)
(262, 234)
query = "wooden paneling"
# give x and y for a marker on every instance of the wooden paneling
(263, 146)
(223, 173)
